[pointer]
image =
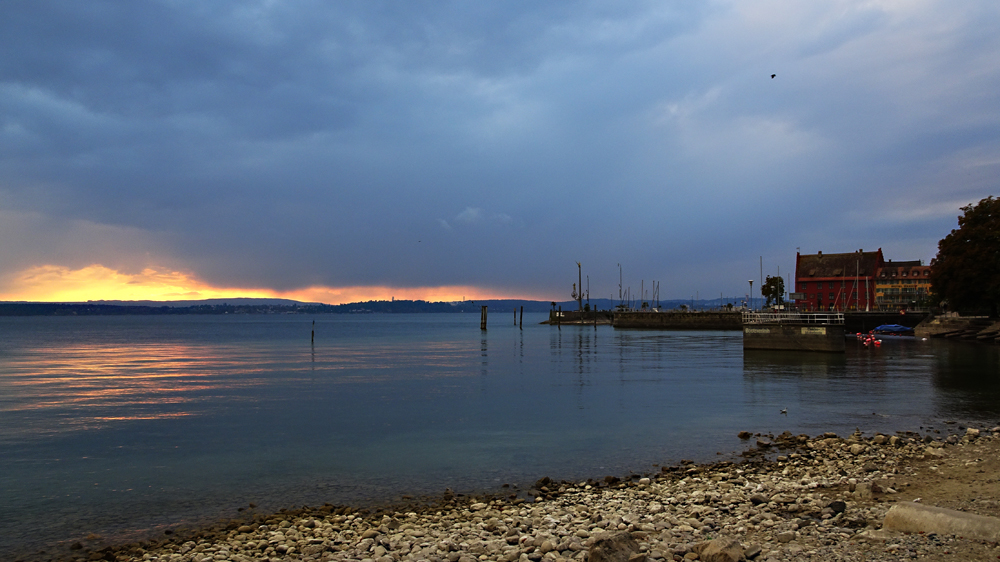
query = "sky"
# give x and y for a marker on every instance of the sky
(344, 151)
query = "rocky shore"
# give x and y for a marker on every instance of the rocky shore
(792, 497)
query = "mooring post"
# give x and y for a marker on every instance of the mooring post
(522, 318)
(312, 339)
(482, 318)
(515, 317)
(559, 318)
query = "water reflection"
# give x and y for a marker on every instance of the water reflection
(761, 364)
(968, 378)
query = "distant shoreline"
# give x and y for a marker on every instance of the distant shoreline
(281, 306)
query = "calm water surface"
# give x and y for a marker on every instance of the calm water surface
(123, 426)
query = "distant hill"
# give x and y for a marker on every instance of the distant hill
(203, 302)
(285, 306)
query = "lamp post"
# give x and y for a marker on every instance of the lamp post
(751, 294)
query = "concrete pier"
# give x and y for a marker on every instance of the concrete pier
(676, 320)
(795, 332)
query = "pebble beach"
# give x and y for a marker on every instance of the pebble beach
(790, 497)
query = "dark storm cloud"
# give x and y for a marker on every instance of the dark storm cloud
(283, 144)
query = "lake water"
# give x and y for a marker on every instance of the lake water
(123, 426)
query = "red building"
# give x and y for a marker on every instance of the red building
(837, 281)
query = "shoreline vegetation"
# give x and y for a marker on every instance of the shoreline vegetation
(788, 497)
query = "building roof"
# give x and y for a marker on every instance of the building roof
(858, 263)
(896, 268)
(910, 263)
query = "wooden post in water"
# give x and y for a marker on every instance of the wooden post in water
(482, 318)
(559, 318)
(312, 339)
(515, 317)
(521, 325)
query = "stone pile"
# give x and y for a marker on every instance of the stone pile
(794, 498)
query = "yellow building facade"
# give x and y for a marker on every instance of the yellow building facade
(902, 285)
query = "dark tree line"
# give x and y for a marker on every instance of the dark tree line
(965, 275)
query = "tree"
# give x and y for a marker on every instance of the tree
(966, 271)
(773, 289)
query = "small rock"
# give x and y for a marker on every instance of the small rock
(616, 548)
(748, 435)
(722, 549)
(934, 452)
(865, 490)
(787, 536)
(837, 506)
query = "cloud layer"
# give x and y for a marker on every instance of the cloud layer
(281, 146)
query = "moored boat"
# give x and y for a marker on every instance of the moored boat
(893, 330)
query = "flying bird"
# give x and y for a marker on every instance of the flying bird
(772, 76)
(784, 411)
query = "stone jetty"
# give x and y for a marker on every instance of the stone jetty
(792, 497)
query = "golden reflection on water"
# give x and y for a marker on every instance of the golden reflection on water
(66, 387)
(82, 386)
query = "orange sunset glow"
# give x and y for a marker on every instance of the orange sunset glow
(52, 283)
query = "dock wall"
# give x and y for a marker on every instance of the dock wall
(802, 337)
(678, 320)
(569, 317)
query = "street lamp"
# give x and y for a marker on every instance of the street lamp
(751, 294)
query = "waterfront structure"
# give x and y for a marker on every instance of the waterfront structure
(902, 285)
(827, 282)
(793, 331)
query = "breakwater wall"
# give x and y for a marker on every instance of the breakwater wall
(717, 320)
(579, 317)
(799, 337)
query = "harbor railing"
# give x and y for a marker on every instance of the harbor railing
(793, 318)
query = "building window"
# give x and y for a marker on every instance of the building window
(831, 296)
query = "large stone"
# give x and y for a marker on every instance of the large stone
(615, 548)
(722, 549)
(912, 517)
